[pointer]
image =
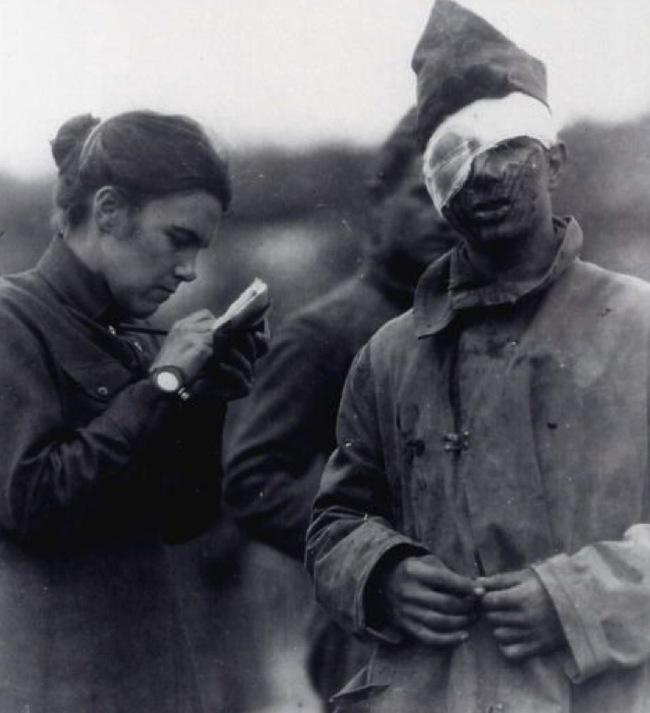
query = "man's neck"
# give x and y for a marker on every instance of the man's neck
(530, 259)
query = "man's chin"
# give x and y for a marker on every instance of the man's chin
(496, 234)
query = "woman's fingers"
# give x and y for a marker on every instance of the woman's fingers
(262, 341)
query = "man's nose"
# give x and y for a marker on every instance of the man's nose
(487, 169)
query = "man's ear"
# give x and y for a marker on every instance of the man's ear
(557, 156)
(109, 209)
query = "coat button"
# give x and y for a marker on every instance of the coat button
(102, 391)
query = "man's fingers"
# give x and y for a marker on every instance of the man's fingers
(506, 580)
(435, 638)
(438, 577)
(506, 635)
(450, 582)
(505, 617)
(502, 600)
(427, 599)
(436, 621)
(520, 651)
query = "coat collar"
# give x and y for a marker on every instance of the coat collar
(74, 283)
(451, 284)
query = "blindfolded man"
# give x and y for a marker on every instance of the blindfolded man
(483, 516)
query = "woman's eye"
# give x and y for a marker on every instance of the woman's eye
(181, 240)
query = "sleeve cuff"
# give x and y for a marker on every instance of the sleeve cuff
(368, 617)
(582, 662)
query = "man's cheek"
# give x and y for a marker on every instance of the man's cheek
(456, 215)
(520, 184)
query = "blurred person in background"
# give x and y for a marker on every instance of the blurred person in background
(111, 436)
(279, 443)
(485, 516)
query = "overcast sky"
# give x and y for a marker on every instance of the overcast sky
(291, 72)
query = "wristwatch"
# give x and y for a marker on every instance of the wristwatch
(170, 380)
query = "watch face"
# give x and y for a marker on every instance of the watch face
(167, 381)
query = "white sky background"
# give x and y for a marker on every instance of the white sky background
(290, 72)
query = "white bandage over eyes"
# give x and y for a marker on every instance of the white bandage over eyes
(474, 129)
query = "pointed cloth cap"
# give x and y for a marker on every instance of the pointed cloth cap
(461, 58)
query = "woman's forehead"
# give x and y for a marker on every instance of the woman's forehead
(186, 206)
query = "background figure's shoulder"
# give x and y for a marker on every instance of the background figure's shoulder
(345, 317)
(332, 307)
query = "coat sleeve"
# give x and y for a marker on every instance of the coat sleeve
(352, 527)
(602, 596)
(59, 478)
(280, 439)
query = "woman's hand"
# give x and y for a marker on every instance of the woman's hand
(220, 363)
(189, 345)
(231, 368)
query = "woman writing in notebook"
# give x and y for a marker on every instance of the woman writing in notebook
(111, 439)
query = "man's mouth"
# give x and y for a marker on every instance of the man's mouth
(491, 208)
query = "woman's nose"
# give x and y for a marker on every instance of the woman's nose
(186, 269)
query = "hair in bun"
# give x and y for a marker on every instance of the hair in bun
(66, 149)
(145, 154)
(69, 139)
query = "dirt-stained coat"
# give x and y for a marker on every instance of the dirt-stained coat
(503, 427)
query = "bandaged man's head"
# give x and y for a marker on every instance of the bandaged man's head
(476, 90)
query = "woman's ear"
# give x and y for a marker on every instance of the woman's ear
(109, 209)
(557, 156)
